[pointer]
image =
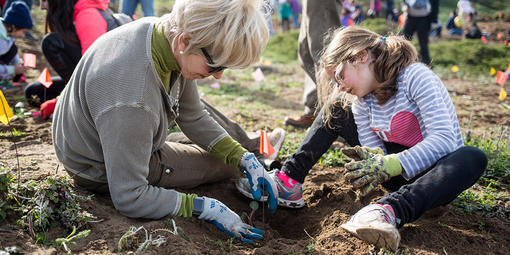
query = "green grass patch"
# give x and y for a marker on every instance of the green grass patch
(471, 56)
(497, 173)
(282, 47)
(380, 26)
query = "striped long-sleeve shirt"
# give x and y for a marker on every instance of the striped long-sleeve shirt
(420, 115)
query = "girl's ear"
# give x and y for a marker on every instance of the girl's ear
(364, 56)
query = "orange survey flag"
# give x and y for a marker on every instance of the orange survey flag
(5, 110)
(45, 78)
(501, 78)
(265, 145)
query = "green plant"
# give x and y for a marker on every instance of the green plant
(498, 154)
(41, 205)
(333, 158)
(71, 239)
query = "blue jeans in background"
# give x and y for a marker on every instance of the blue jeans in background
(295, 20)
(128, 7)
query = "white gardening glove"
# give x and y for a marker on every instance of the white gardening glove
(259, 179)
(226, 220)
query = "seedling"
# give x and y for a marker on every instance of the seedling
(70, 239)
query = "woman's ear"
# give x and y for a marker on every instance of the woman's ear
(183, 41)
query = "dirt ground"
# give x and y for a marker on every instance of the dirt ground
(314, 229)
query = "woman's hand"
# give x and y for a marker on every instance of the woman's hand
(259, 179)
(226, 220)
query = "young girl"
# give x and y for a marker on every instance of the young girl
(403, 114)
(15, 24)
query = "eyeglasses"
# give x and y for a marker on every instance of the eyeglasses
(211, 62)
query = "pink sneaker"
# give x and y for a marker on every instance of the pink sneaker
(290, 192)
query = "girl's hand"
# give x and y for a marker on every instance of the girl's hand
(367, 174)
(358, 153)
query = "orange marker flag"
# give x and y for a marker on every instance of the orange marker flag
(29, 60)
(502, 94)
(265, 145)
(5, 110)
(484, 40)
(501, 78)
(45, 78)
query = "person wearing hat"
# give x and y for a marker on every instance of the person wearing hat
(15, 24)
(29, 3)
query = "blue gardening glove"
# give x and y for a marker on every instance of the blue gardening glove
(259, 179)
(226, 220)
(367, 174)
(358, 153)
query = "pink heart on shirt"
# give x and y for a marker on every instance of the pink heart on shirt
(404, 129)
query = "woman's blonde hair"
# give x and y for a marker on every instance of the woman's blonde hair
(389, 56)
(234, 32)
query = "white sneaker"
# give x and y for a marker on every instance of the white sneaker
(375, 224)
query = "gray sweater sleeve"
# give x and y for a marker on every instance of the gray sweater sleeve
(195, 121)
(126, 135)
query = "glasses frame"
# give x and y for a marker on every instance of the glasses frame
(339, 75)
(211, 62)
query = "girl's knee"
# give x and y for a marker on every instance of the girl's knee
(478, 159)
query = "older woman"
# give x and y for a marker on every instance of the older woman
(112, 119)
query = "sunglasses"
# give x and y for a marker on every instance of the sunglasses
(211, 62)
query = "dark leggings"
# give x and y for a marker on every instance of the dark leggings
(435, 186)
(36, 93)
(63, 57)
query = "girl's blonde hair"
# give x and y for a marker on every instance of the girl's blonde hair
(234, 32)
(389, 57)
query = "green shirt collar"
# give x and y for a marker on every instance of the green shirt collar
(163, 56)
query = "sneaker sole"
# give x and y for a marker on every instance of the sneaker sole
(281, 202)
(380, 237)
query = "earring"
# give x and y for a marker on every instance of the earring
(181, 52)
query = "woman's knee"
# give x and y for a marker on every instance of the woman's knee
(52, 42)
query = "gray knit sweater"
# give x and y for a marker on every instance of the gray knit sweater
(114, 114)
